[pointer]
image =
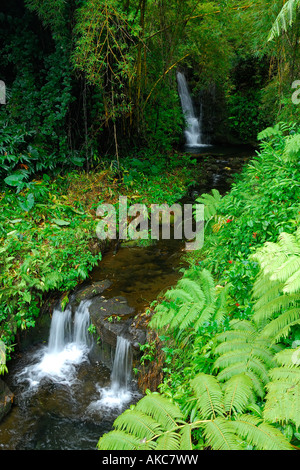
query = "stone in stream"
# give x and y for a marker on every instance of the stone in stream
(112, 317)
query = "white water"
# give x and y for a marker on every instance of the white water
(68, 347)
(119, 393)
(193, 131)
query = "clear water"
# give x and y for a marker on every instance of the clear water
(64, 401)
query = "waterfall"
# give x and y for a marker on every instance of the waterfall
(121, 372)
(68, 346)
(193, 131)
(119, 393)
(60, 330)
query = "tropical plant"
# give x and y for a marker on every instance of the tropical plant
(191, 304)
(285, 18)
(220, 424)
(277, 288)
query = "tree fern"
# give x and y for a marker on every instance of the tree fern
(283, 397)
(277, 289)
(154, 423)
(261, 435)
(241, 351)
(209, 396)
(191, 303)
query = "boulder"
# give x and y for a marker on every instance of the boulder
(111, 317)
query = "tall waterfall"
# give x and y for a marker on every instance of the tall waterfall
(68, 346)
(193, 131)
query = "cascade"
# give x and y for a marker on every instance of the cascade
(193, 131)
(121, 372)
(119, 393)
(68, 346)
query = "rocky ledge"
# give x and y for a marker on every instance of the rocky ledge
(111, 317)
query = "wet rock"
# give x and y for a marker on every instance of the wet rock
(6, 399)
(93, 290)
(113, 317)
(110, 317)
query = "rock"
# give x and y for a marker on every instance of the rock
(91, 291)
(6, 399)
(110, 317)
(113, 317)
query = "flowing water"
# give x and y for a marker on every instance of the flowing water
(66, 401)
(193, 131)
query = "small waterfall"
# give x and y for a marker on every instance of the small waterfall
(193, 131)
(121, 372)
(60, 330)
(68, 346)
(119, 393)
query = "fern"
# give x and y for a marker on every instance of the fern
(192, 303)
(219, 435)
(211, 203)
(154, 423)
(238, 393)
(277, 289)
(261, 435)
(242, 351)
(209, 396)
(283, 397)
(285, 18)
(157, 423)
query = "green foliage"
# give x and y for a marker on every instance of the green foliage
(285, 18)
(154, 423)
(282, 400)
(157, 423)
(191, 304)
(277, 287)
(229, 365)
(43, 248)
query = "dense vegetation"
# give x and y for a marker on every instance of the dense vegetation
(93, 112)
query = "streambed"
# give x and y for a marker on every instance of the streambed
(71, 410)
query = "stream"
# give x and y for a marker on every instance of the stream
(63, 399)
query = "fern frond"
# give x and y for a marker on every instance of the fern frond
(238, 393)
(277, 289)
(220, 435)
(211, 203)
(193, 302)
(186, 438)
(161, 409)
(261, 435)
(242, 352)
(154, 422)
(169, 441)
(209, 396)
(119, 440)
(265, 311)
(138, 424)
(280, 327)
(283, 397)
